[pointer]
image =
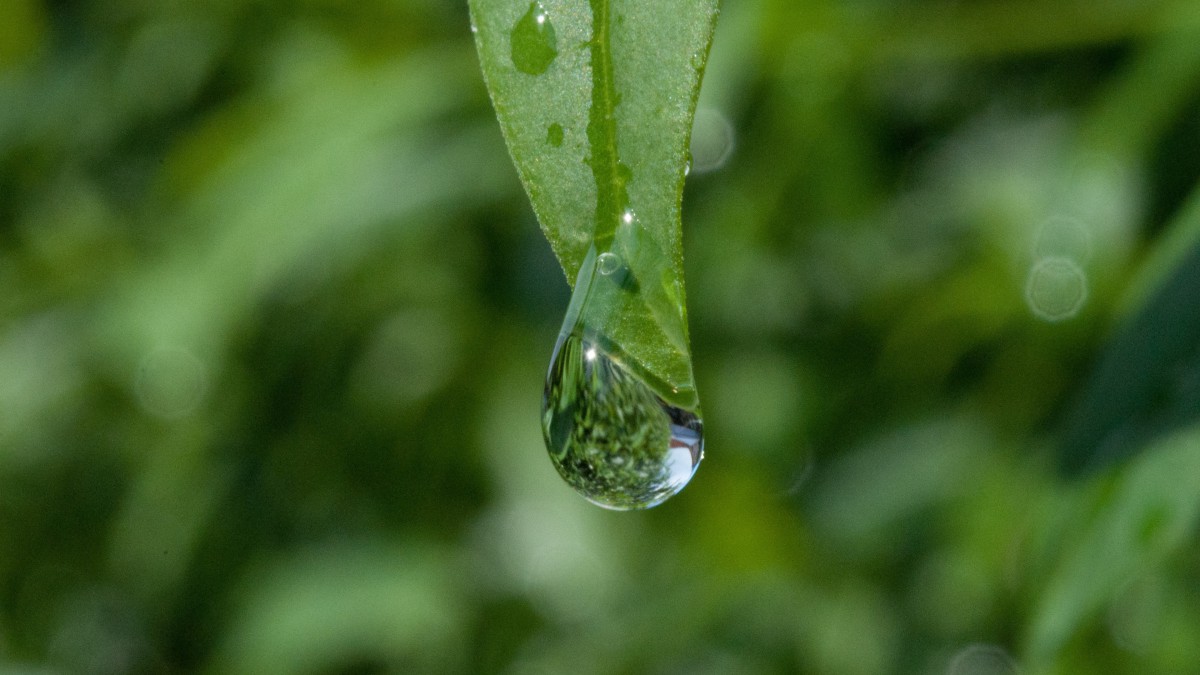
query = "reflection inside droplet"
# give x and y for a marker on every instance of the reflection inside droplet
(610, 436)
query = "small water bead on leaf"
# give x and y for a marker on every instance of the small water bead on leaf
(534, 44)
(610, 437)
(554, 134)
(608, 263)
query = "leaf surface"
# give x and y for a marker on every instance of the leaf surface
(596, 99)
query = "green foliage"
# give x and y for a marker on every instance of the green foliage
(275, 318)
(1153, 511)
(1146, 382)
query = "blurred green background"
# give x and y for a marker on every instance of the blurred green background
(275, 316)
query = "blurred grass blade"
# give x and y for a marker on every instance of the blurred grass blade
(596, 99)
(321, 609)
(1147, 381)
(1153, 510)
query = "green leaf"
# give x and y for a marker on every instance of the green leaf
(595, 99)
(1146, 382)
(1151, 513)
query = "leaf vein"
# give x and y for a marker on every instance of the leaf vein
(605, 160)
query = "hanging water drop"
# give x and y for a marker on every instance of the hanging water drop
(534, 44)
(610, 434)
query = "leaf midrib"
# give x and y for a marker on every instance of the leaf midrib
(605, 160)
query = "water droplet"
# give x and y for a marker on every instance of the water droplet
(534, 44)
(1056, 288)
(608, 263)
(609, 434)
(554, 134)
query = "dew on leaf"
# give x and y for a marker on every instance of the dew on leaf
(534, 45)
(554, 134)
(610, 435)
(607, 263)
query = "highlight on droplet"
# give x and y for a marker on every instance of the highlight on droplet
(1056, 288)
